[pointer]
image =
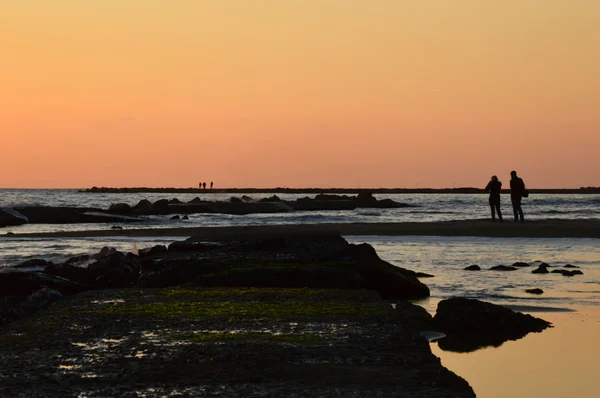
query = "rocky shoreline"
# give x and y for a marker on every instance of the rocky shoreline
(261, 314)
(124, 213)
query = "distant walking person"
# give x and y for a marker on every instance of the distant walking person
(211, 185)
(517, 190)
(494, 187)
(199, 185)
(204, 185)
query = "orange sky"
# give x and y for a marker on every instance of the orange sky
(299, 93)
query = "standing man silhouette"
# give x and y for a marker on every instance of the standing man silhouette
(211, 185)
(203, 185)
(517, 189)
(494, 187)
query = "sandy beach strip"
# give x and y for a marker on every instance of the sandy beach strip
(558, 228)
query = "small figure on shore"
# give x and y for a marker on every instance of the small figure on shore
(199, 185)
(494, 187)
(203, 185)
(517, 190)
(211, 185)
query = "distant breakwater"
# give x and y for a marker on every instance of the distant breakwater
(464, 190)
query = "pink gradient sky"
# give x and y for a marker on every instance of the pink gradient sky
(299, 93)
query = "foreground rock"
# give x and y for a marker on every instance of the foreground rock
(222, 342)
(293, 260)
(472, 324)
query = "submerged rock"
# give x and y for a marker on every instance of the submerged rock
(542, 269)
(503, 268)
(520, 264)
(534, 291)
(565, 272)
(474, 267)
(472, 324)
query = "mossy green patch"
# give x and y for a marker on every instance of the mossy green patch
(272, 310)
(297, 339)
(209, 293)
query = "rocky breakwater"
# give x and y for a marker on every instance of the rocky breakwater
(259, 315)
(247, 205)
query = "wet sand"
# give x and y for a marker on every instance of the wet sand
(558, 228)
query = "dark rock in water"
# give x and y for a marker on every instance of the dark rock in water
(565, 272)
(520, 264)
(570, 266)
(116, 227)
(160, 207)
(153, 250)
(534, 291)
(273, 198)
(233, 199)
(544, 265)
(120, 208)
(365, 198)
(423, 275)
(10, 233)
(196, 200)
(576, 272)
(542, 269)
(71, 272)
(503, 268)
(175, 218)
(185, 217)
(143, 206)
(36, 262)
(26, 283)
(115, 271)
(247, 198)
(84, 258)
(104, 252)
(175, 200)
(473, 268)
(472, 324)
(389, 281)
(11, 217)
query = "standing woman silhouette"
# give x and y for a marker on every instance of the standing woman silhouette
(494, 187)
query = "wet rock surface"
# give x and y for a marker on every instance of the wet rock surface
(472, 324)
(306, 260)
(222, 342)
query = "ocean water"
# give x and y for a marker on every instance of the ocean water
(430, 207)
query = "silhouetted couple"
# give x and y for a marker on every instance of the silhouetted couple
(517, 191)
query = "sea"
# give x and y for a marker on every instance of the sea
(571, 303)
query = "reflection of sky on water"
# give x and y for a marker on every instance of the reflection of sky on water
(559, 362)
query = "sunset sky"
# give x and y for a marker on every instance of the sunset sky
(299, 93)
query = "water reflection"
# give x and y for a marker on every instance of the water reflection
(559, 362)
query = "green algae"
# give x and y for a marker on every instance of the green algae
(273, 310)
(239, 292)
(297, 339)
